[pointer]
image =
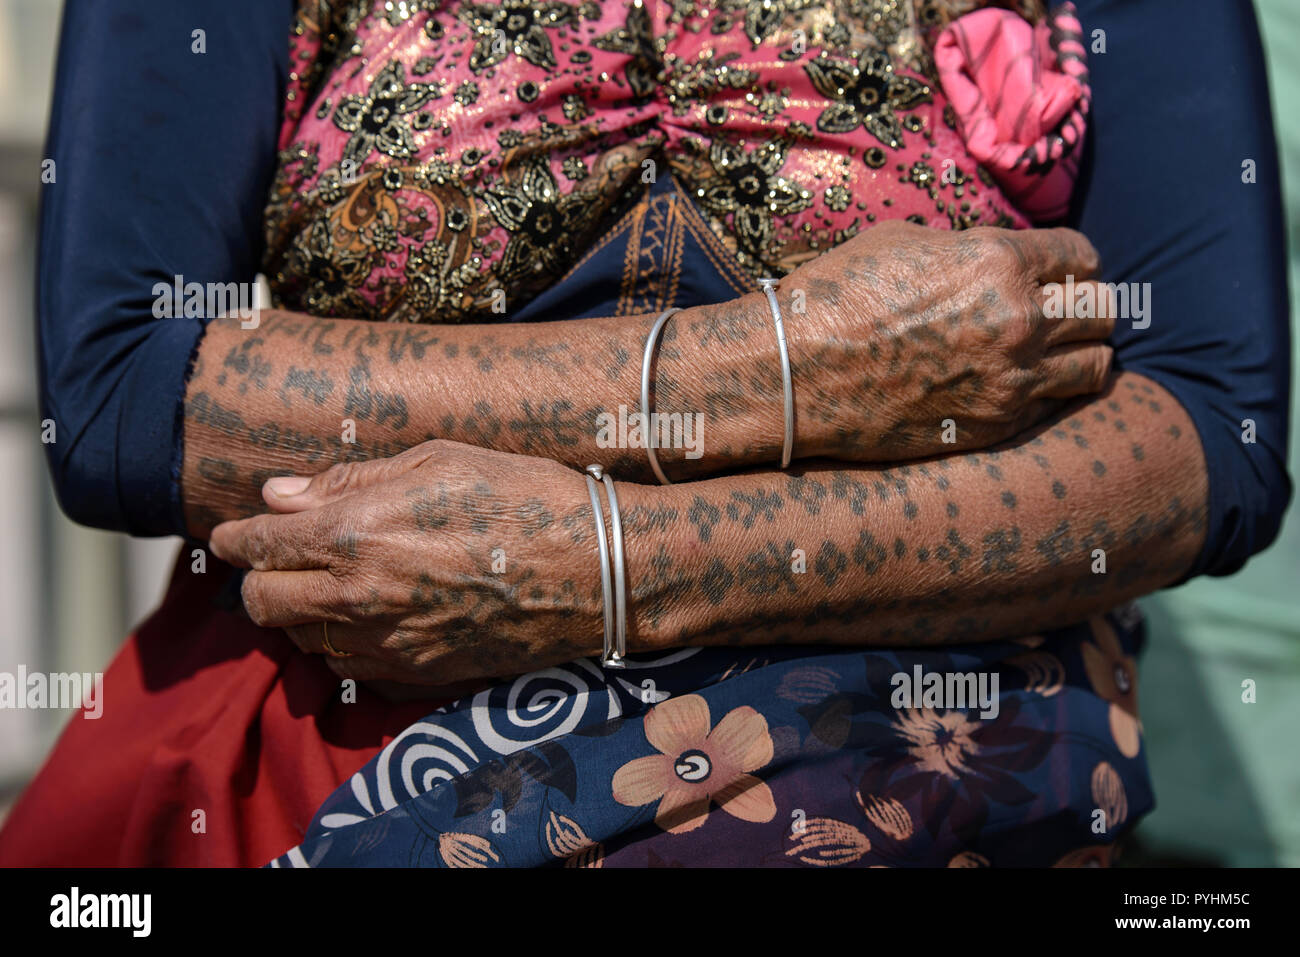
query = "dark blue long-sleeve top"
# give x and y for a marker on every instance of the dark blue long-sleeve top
(164, 157)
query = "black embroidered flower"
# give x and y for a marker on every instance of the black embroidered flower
(398, 12)
(574, 168)
(544, 223)
(865, 93)
(330, 273)
(379, 120)
(637, 40)
(749, 187)
(466, 93)
(514, 26)
(762, 17)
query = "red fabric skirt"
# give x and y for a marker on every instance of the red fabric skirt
(202, 711)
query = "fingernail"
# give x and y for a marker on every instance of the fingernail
(285, 486)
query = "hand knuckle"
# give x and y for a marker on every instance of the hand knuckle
(1004, 254)
(337, 478)
(1003, 397)
(1019, 325)
(256, 545)
(254, 597)
(1105, 358)
(1089, 258)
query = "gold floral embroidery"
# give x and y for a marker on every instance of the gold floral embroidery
(379, 120)
(748, 187)
(865, 93)
(514, 26)
(762, 17)
(636, 40)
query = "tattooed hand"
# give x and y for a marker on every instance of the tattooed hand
(444, 563)
(906, 327)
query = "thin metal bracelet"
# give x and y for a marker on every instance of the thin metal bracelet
(652, 441)
(787, 384)
(606, 586)
(620, 577)
(615, 632)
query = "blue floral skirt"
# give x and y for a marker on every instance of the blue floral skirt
(788, 756)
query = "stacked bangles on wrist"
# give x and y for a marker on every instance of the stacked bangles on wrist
(613, 567)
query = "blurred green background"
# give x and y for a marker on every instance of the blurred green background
(1227, 773)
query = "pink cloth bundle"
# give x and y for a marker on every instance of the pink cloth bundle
(1021, 95)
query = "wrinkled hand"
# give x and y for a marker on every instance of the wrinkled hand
(906, 327)
(442, 564)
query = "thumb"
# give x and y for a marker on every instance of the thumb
(298, 493)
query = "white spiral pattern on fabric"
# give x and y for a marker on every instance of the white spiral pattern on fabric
(450, 761)
(535, 707)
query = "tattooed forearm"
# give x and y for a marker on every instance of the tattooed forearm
(1105, 503)
(299, 393)
(891, 333)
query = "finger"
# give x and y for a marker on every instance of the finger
(297, 493)
(1074, 370)
(1052, 254)
(1078, 312)
(280, 599)
(274, 541)
(312, 640)
(309, 638)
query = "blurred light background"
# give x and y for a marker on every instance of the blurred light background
(68, 595)
(1227, 773)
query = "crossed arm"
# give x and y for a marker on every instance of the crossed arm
(1101, 502)
(1101, 505)
(398, 554)
(299, 393)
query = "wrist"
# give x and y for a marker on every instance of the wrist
(667, 567)
(760, 369)
(719, 365)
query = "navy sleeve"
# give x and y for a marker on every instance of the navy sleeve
(1180, 103)
(163, 157)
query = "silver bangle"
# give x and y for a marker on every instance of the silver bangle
(652, 441)
(787, 384)
(615, 649)
(606, 587)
